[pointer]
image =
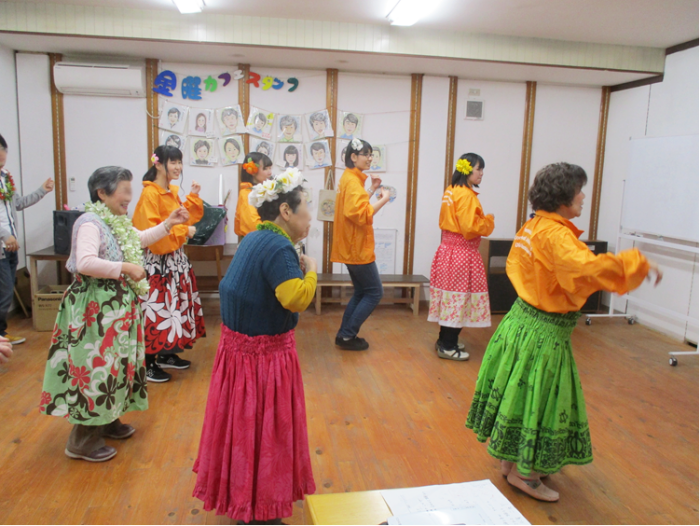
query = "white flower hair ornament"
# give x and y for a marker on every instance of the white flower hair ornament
(357, 144)
(271, 189)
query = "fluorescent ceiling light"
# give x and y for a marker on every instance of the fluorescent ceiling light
(408, 12)
(189, 6)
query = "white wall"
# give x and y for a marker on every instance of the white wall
(663, 109)
(431, 176)
(566, 129)
(385, 101)
(36, 139)
(498, 139)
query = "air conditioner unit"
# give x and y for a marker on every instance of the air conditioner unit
(104, 80)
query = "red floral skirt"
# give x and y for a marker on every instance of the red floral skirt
(173, 316)
(459, 295)
(253, 460)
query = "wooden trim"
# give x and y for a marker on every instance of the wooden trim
(451, 125)
(244, 103)
(636, 83)
(599, 162)
(332, 106)
(412, 175)
(682, 47)
(526, 155)
(151, 107)
(59, 139)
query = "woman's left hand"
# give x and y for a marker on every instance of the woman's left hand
(48, 185)
(376, 182)
(196, 187)
(179, 216)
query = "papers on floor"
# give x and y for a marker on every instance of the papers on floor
(477, 502)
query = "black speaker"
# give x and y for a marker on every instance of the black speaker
(501, 292)
(63, 221)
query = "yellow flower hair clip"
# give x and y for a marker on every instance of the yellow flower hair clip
(464, 167)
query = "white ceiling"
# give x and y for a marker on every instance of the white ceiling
(653, 23)
(191, 52)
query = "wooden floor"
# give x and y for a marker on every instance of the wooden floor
(390, 417)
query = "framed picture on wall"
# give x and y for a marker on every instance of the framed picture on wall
(260, 123)
(378, 158)
(290, 156)
(318, 125)
(349, 125)
(318, 154)
(341, 145)
(262, 146)
(289, 128)
(173, 118)
(173, 139)
(201, 122)
(230, 120)
(203, 152)
(232, 150)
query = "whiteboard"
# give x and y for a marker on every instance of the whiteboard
(661, 189)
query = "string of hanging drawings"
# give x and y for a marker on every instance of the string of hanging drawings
(213, 137)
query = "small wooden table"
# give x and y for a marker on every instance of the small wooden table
(412, 282)
(46, 254)
(210, 253)
(360, 507)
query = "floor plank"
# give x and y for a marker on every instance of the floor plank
(390, 417)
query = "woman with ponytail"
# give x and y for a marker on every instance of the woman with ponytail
(256, 169)
(173, 309)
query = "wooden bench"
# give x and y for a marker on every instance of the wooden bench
(413, 283)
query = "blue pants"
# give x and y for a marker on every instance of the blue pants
(368, 293)
(8, 270)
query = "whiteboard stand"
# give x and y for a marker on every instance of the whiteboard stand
(641, 237)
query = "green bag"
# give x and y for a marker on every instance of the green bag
(213, 215)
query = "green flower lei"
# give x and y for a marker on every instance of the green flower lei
(269, 225)
(128, 239)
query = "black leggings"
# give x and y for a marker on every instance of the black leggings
(449, 337)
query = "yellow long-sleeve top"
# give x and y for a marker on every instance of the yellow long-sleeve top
(247, 218)
(296, 294)
(555, 272)
(353, 233)
(156, 204)
(461, 213)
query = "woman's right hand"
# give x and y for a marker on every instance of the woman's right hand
(309, 263)
(191, 231)
(654, 273)
(135, 272)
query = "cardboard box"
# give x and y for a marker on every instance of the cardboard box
(45, 307)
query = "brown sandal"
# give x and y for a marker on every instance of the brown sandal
(534, 487)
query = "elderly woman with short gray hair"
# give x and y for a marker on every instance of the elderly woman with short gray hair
(95, 370)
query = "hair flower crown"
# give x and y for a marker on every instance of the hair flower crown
(271, 189)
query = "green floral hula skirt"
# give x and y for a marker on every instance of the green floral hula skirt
(528, 398)
(95, 371)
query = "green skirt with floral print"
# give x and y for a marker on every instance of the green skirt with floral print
(95, 371)
(528, 398)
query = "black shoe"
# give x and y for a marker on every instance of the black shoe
(353, 344)
(155, 374)
(172, 361)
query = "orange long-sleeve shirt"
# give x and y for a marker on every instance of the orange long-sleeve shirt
(461, 213)
(555, 272)
(156, 204)
(247, 218)
(353, 233)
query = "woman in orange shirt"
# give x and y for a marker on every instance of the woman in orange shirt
(528, 397)
(256, 169)
(353, 242)
(173, 310)
(459, 295)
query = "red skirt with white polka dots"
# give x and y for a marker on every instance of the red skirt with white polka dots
(459, 295)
